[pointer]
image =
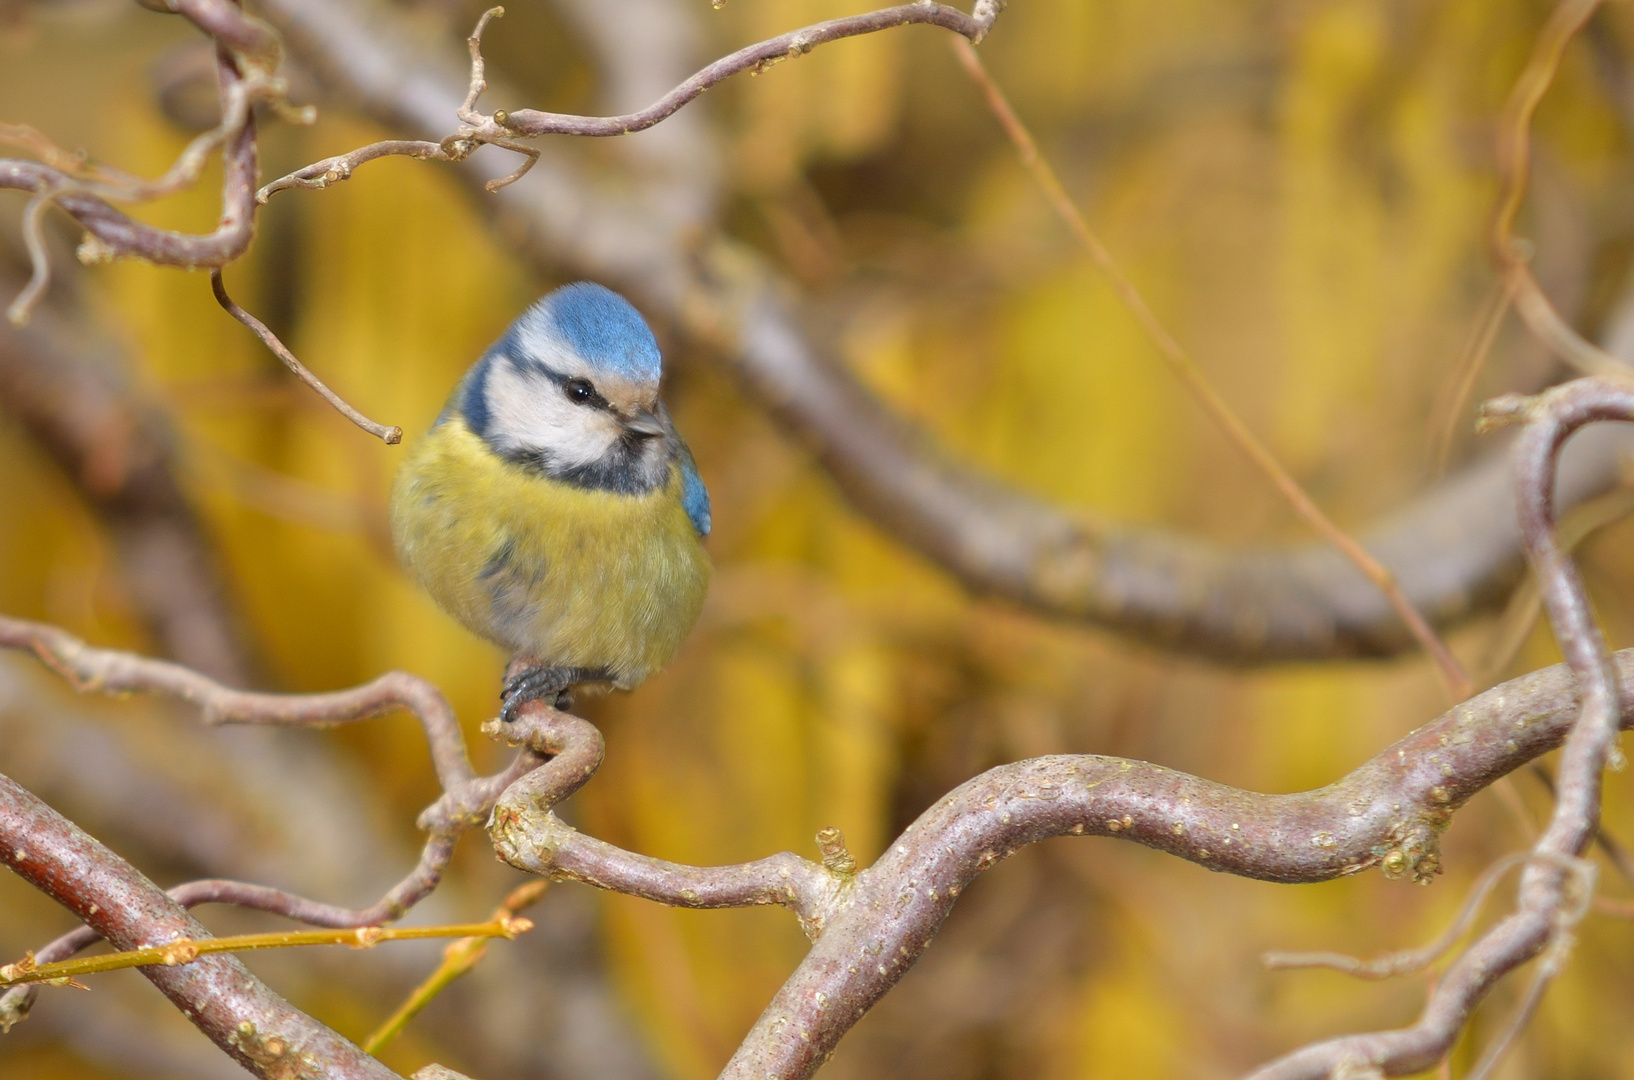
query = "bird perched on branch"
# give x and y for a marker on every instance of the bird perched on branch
(553, 509)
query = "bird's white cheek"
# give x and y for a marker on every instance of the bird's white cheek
(530, 413)
(582, 437)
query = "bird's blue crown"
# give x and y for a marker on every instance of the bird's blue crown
(599, 325)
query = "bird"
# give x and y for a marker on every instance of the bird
(553, 509)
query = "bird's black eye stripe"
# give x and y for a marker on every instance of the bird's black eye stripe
(580, 392)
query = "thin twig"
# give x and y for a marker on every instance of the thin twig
(1453, 677)
(1407, 961)
(108, 671)
(756, 58)
(506, 129)
(1554, 959)
(1469, 366)
(390, 435)
(34, 243)
(75, 163)
(530, 158)
(458, 958)
(333, 170)
(1616, 909)
(186, 950)
(1608, 845)
(479, 68)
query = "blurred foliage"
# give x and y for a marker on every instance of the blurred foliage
(1300, 189)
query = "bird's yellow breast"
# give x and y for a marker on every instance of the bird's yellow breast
(574, 576)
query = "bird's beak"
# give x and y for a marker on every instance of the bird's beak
(645, 423)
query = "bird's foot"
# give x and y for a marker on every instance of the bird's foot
(552, 685)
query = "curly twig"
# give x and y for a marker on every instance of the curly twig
(107, 671)
(1407, 961)
(248, 55)
(1546, 912)
(465, 802)
(332, 170)
(505, 129)
(532, 123)
(1514, 167)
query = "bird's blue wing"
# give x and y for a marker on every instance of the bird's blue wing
(694, 496)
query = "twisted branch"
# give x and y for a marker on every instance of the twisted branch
(869, 927)
(1546, 910)
(247, 57)
(1387, 813)
(465, 802)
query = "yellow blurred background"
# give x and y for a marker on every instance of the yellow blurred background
(1299, 188)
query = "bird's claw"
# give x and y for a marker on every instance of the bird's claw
(552, 685)
(534, 684)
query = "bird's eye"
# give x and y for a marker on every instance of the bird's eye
(579, 391)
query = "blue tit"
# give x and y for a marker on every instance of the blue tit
(553, 509)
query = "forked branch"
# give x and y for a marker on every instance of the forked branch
(465, 802)
(869, 928)
(506, 129)
(1553, 894)
(239, 1013)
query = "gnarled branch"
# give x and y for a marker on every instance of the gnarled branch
(870, 927)
(1546, 913)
